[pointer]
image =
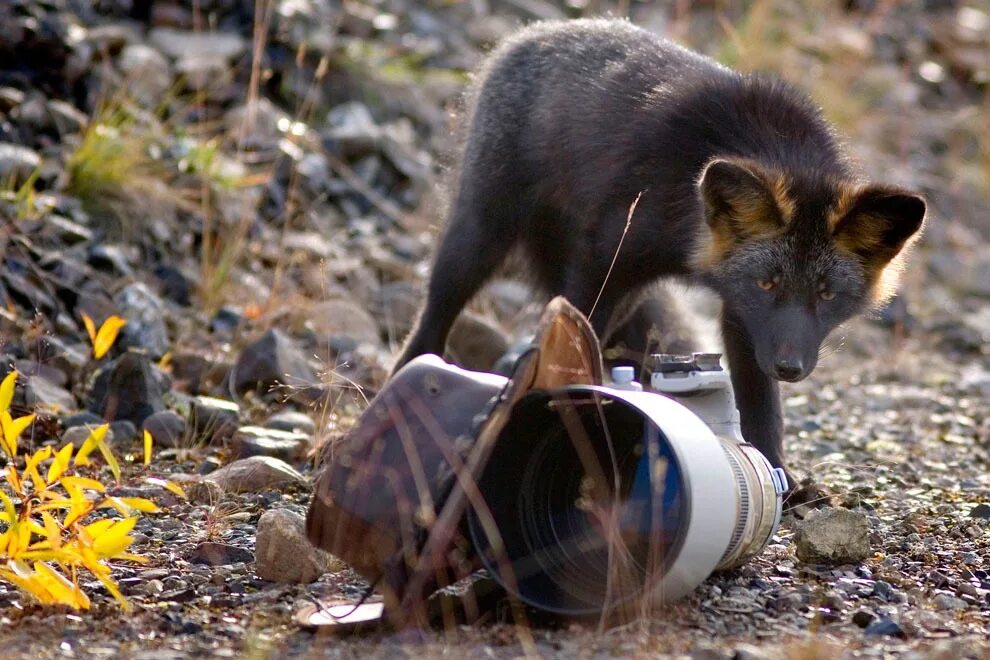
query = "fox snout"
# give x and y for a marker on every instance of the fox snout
(790, 367)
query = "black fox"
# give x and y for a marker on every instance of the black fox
(741, 186)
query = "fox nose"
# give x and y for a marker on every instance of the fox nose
(789, 369)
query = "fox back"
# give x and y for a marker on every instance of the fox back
(611, 157)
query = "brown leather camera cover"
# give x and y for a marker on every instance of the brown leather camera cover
(392, 494)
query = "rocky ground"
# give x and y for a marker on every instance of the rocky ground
(254, 188)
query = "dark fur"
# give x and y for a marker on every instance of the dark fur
(742, 182)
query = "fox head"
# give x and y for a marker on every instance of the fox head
(794, 254)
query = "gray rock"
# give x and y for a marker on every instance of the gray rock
(258, 473)
(17, 163)
(203, 491)
(475, 343)
(41, 392)
(145, 314)
(291, 420)
(182, 43)
(219, 554)
(833, 536)
(284, 554)
(342, 317)
(146, 71)
(167, 428)
(949, 602)
(67, 118)
(213, 420)
(77, 435)
(259, 441)
(353, 131)
(130, 388)
(273, 360)
(395, 307)
(124, 431)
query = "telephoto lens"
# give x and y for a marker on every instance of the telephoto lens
(602, 500)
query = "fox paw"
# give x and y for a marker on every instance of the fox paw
(806, 496)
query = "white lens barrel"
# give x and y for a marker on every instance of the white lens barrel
(731, 499)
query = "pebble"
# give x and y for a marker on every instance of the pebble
(255, 474)
(283, 553)
(219, 554)
(833, 536)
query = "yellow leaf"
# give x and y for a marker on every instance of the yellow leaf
(107, 335)
(8, 504)
(12, 430)
(166, 360)
(147, 447)
(75, 482)
(90, 328)
(112, 588)
(60, 464)
(7, 390)
(115, 502)
(95, 529)
(14, 479)
(95, 437)
(168, 485)
(52, 531)
(127, 556)
(31, 468)
(61, 589)
(78, 510)
(28, 584)
(109, 458)
(140, 504)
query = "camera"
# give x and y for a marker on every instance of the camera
(577, 496)
(606, 497)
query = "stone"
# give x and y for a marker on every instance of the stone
(259, 441)
(181, 43)
(255, 474)
(395, 306)
(949, 602)
(130, 388)
(146, 71)
(352, 131)
(77, 435)
(981, 511)
(124, 431)
(884, 627)
(42, 393)
(863, 618)
(475, 343)
(84, 418)
(203, 491)
(17, 163)
(219, 554)
(167, 428)
(833, 536)
(292, 420)
(213, 420)
(145, 314)
(284, 554)
(274, 360)
(342, 317)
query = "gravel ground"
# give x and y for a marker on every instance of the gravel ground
(257, 195)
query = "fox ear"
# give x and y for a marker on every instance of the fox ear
(879, 223)
(742, 200)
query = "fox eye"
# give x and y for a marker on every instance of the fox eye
(768, 284)
(825, 294)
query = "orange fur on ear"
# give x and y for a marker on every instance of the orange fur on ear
(742, 201)
(877, 225)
